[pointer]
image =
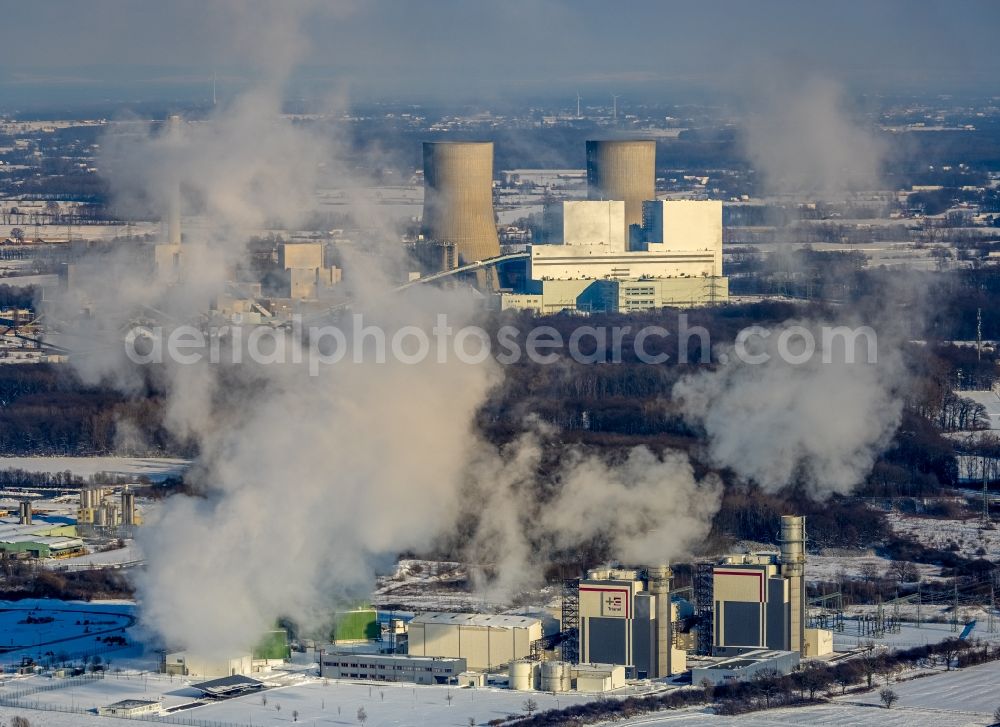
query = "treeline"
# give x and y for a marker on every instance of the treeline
(21, 579)
(46, 411)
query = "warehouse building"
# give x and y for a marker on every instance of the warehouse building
(392, 667)
(742, 668)
(484, 641)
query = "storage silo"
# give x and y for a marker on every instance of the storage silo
(555, 676)
(458, 198)
(625, 170)
(523, 675)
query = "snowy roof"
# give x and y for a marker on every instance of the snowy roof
(132, 703)
(495, 621)
(227, 685)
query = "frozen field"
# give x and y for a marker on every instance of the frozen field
(968, 536)
(909, 635)
(63, 635)
(155, 468)
(828, 568)
(962, 698)
(334, 703)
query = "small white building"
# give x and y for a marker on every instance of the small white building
(598, 677)
(130, 708)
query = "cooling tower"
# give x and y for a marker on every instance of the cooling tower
(458, 198)
(793, 567)
(622, 170)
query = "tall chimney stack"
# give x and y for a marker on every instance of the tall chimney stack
(793, 567)
(659, 577)
(174, 203)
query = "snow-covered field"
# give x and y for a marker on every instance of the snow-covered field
(66, 634)
(155, 468)
(968, 536)
(829, 568)
(316, 703)
(909, 635)
(961, 698)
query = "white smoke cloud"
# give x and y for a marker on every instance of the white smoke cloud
(647, 508)
(802, 137)
(820, 423)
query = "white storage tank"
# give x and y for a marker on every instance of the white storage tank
(523, 674)
(555, 676)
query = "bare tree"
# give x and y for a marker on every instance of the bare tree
(888, 697)
(472, 720)
(17, 234)
(295, 715)
(530, 705)
(362, 715)
(19, 721)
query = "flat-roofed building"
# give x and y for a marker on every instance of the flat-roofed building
(484, 641)
(392, 667)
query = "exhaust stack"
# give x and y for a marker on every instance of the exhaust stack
(174, 205)
(793, 567)
(659, 585)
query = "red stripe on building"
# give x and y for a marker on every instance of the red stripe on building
(611, 590)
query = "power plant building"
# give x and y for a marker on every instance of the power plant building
(677, 261)
(484, 641)
(628, 619)
(759, 600)
(458, 201)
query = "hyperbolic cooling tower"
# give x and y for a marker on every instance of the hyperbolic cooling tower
(622, 170)
(458, 198)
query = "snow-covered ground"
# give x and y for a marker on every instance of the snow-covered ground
(968, 536)
(67, 634)
(910, 635)
(960, 698)
(332, 703)
(155, 468)
(829, 568)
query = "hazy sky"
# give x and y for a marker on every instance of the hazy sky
(457, 48)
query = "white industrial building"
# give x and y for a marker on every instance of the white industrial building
(743, 667)
(484, 641)
(675, 260)
(392, 667)
(183, 663)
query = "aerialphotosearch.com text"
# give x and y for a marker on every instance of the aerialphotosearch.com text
(316, 347)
